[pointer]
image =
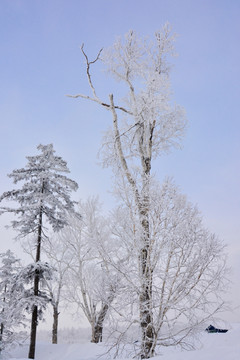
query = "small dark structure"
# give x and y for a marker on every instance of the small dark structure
(212, 329)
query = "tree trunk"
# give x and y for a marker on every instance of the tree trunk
(2, 325)
(34, 323)
(55, 325)
(142, 202)
(1, 338)
(97, 328)
(31, 354)
(97, 331)
(145, 298)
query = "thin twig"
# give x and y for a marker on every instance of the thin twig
(88, 69)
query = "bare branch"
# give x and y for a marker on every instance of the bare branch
(88, 69)
(120, 151)
(97, 100)
(86, 57)
(95, 97)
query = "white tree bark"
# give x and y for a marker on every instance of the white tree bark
(91, 283)
(144, 126)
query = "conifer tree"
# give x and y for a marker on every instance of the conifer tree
(43, 198)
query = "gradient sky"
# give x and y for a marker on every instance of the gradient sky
(41, 61)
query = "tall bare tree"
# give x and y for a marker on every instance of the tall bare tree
(92, 283)
(145, 124)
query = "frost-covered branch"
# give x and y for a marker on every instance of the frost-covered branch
(166, 260)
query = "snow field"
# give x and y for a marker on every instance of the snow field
(212, 347)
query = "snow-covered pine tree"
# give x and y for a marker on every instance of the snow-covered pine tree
(25, 278)
(43, 197)
(11, 291)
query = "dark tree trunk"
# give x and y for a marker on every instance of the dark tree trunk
(1, 337)
(97, 331)
(33, 334)
(97, 328)
(34, 323)
(1, 331)
(55, 325)
(2, 325)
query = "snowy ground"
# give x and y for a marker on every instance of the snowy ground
(214, 346)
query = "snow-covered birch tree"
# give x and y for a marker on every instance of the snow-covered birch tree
(92, 284)
(189, 273)
(59, 256)
(43, 198)
(145, 124)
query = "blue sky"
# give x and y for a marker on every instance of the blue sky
(41, 61)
